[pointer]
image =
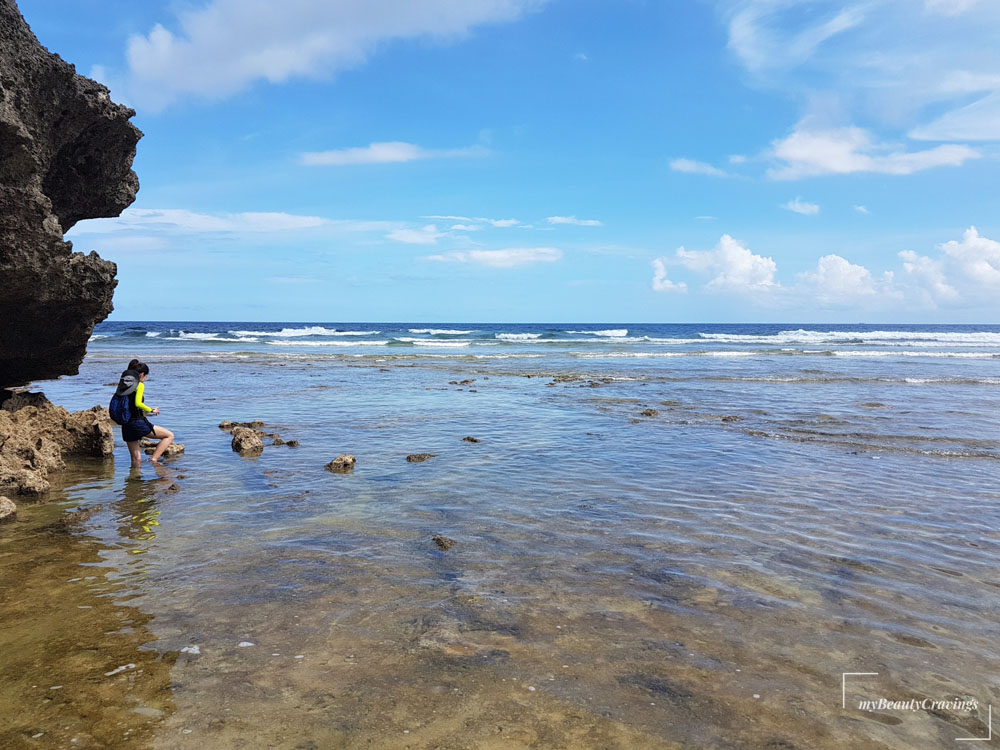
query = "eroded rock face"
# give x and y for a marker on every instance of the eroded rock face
(66, 154)
(247, 442)
(35, 434)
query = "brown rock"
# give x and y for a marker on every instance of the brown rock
(732, 418)
(416, 458)
(247, 442)
(342, 464)
(470, 439)
(66, 154)
(149, 446)
(227, 425)
(443, 542)
(649, 413)
(35, 435)
(8, 511)
(292, 443)
(278, 440)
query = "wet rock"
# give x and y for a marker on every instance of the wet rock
(649, 413)
(470, 439)
(292, 443)
(342, 464)
(732, 418)
(247, 442)
(8, 511)
(278, 440)
(416, 458)
(66, 152)
(466, 382)
(443, 542)
(227, 424)
(565, 378)
(35, 435)
(149, 446)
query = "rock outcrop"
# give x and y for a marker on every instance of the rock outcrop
(419, 458)
(66, 154)
(342, 464)
(35, 435)
(247, 442)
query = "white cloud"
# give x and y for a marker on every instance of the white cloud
(808, 153)
(862, 210)
(733, 267)
(690, 166)
(893, 63)
(975, 257)
(574, 220)
(427, 235)
(800, 206)
(182, 221)
(507, 258)
(660, 281)
(929, 277)
(391, 152)
(480, 221)
(837, 282)
(225, 46)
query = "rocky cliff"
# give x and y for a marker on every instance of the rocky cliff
(66, 154)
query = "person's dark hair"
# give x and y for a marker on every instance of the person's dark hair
(140, 367)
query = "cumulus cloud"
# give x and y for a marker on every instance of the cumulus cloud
(427, 235)
(573, 220)
(836, 282)
(690, 166)
(391, 152)
(507, 258)
(660, 281)
(225, 46)
(800, 206)
(964, 274)
(731, 266)
(809, 153)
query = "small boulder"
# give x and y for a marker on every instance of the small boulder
(8, 511)
(649, 413)
(246, 442)
(173, 450)
(732, 418)
(470, 439)
(342, 464)
(227, 424)
(416, 458)
(278, 440)
(444, 543)
(292, 443)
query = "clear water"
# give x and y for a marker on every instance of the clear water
(806, 501)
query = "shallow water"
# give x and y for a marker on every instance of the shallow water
(701, 577)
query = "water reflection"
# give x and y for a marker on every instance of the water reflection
(75, 668)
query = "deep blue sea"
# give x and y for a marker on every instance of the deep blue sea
(664, 536)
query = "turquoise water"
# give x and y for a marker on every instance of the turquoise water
(802, 501)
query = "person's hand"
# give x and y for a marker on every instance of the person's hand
(156, 411)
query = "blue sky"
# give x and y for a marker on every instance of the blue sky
(550, 160)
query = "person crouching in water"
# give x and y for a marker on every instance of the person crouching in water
(139, 426)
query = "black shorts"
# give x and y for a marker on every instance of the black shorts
(136, 429)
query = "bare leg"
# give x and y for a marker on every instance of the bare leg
(135, 452)
(166, 437)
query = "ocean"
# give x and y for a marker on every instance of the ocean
(663, 536)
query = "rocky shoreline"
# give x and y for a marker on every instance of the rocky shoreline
(36, 435)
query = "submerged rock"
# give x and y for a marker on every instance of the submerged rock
(66, 152)
(35, 434)
(342, 464)
(470, 439)
(292, 443)
(732, 418)
(416, 458)
(246, 442)
(443, 542)
(649, 413)
(8, 511)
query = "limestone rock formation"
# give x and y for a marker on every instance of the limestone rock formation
(35, 435)
(247, 442)
(66, 154)
(342, 464)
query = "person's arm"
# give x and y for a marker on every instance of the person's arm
(140, 389)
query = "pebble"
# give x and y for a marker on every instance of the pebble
(119, 669)
(756, 695)
(245, 644)
(300, 656)
(191, 650)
